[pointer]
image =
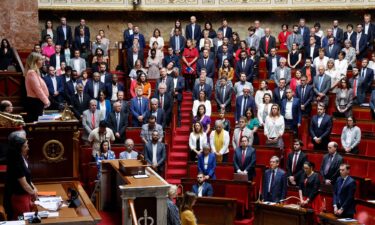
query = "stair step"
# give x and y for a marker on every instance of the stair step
(176, 163)
(179, 154)
(181, 172)
(179, 148)
(173, 181)
(183, 129)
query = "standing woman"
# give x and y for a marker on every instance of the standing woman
(177, 24)
(283, 36)
(235, 41)
(226, 70)
(154, 64)
(103, 104)
(253, 125)
(156, 36)
(189, 66)
(344, 99)
(187, 214)
(308, 189)
(197, 140)
(203, 119)
(36, 88)
(295, 81)
(274, 128)
(20, 192)
(294, 57)
(6, 55)
(48, 30)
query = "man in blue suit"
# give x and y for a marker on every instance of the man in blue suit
(320, 128)
(55, 87)
(304, 31)
(224, 54)
(206, 63)
(274, 182)
(70, 87)
(245, 65)
(178, 87)
(279, 93)
(244, 159)
(207, 169)
(243, 102)
(139, 36)
(171, 57)
(332, 50)
(367, 74)
(360, 42)
(177, 42)
(343, 194)
(93, 86)
(305, 94)
(64, 33)
(193, 30)
(227, 30)
(272, 62)
(202, 188)
(127, 34)
(202, 86)
(138, 108)
(291, 110)
(155, 153)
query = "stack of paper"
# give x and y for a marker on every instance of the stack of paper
(50, 203)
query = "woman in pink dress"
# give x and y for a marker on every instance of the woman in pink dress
(283, 36)
(189, 66)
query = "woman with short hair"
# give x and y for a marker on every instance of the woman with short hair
(351, 136)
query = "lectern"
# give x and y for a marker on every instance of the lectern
(121, 181)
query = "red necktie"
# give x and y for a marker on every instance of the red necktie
(243, 157)
(294, 162)
(93, 121)
(355, 87)
(266, 45)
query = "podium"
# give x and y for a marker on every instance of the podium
(141, 199)
(282, 214)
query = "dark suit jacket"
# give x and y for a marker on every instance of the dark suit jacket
(250, 104)
(179, 88)
(141, 40)
(167, 59)
(298, 171)
(160, 154)
(249, 163)
(207, 90)
(362, 44)
(172, 42)
(229, 32)
(324, 130)
(339, 35)
(89, 88)
(210, 67)
(220, 59)
(276, 96)
(306, 35)
(334, 52)
(226, 99)
(108, 88)
(60, 85)
(125, 107)
(211, 165)
(296, 110)
(248, 70)
(343, 195)
(70, 90)
(60, 35)
(127, 41)
(130, 61)
(169, 83)
(160, 116)
(52, 59)
(315, 53)
(371, 33)
(197, 32)
(136, 111)
(44, 34)
(86, 29)
(168, 105)
(307, 98)
(78, 44)
(123, 124)
(333, 172)
(262, 45)
(361, 89)
(207, 190)
(78, 107)
(369, 77)
(278, 188)
(269, 64)
(352, 37)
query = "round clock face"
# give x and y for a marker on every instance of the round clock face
(53, 150)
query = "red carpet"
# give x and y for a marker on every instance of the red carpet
(110, 218)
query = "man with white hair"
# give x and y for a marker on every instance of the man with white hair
(243, 102)
(173, 215)
(91, 118)
(282, 71)
(159, 113)
(219, 141)
(267, 43)
(165, 101)
(118, 122)
(129, 152)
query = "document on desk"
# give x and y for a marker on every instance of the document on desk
(50, 203)
(347, 220)
(17, 222)
(140, 176)
(269, 203)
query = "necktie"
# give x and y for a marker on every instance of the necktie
(330, 49)
(161, 101)
(267, 45)
(205, 62)
(243, 157)
(243, 65)
(93, 121)
(355, 87)
(140, 104)
(320, 81)
(239, 139)
(117, 121)
(223, 94)
(363, 72)
(244, 106)
(328, 165)
(272, 180)
(342, 185)
(80, 99)
(303, 93)
(295, 158)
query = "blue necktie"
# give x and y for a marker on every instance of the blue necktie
(320, 81)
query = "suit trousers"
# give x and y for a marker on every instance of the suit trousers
(34, 109)
(290, 124)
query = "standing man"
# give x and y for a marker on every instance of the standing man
(343, 194)
(118, 122)
(331, 164)
(244, 159)
(193, 30)
(322, 85)
(305, 93)
(138, 108)
(295, 162)
(155, 153)
(64, 33)
(320, 128)
(274, 182)
(291, 110)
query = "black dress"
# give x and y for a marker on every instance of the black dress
(294, 58)
(6, 58)
(310, 188)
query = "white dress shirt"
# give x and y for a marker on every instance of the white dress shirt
(154, 154)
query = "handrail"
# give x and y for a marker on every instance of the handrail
(15, 53)
(132, 212)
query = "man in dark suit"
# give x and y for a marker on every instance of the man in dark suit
(329, 169)
(343, 194)
(177, 42)
(139, 36)
(64, 33)
(227, 30)
(306, 94)
(359, 87)
(318, 39)
(338, 33)
(367, 74)
(369, 29)
(171, 57)
(81, 38)
(304, 31)
(157, 112)
(294, 165)
(244, 159)
(332, 50)
(291, 111)
(274, 182)
(155, 153)
(224, 54)
(202, 86)
(124, 104)
(359, 42)
(118, 122)
(138, 108)
(272, 62)
(165, 102)
(227, 43)
(267, 43)
(127, 34)
(322, 85)
(55, 87)
(93, 86)
(320, 128)
(245, 65)
(56, 59)
(193, 30)
(279, 93)
(178, 87)
(243, 102)
(206, 63)
(70, 86)
(202, 188)
(167, 80)
(309, 70)
(133, 55)
(113, 87)
(80, 101)
(86, 29)
(223, 95)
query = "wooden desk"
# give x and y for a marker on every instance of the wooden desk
(280, 214)
(331, 219)
(85, 214)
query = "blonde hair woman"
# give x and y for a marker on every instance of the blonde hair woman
(36, 88)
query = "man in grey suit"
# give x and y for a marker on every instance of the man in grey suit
(330, 166)
(252, 40)
(223, 95)
(295, 37)
(90, 119)
(155, 153)
(239, 85)
(208, 80)
(149, 128)
(322, 84)
(129, 152)
(99, 44)
(241, 131)
(218, 41)
(282, 71)
(77, 63)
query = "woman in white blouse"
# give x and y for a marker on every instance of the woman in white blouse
(334, 74)
(156, 36)
(274, 128)
(264, 108)
(197, 140)
(371, 63)
(202, 101)
(351, 136)
(321, 60)
(263, 89)
(341, 64)
(204, 38)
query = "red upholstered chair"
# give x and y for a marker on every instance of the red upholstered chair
(316, 159)
(240, 193)
(224, 172)
(134, 133)
(193, 170)
(358, 167)
(117, 150)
